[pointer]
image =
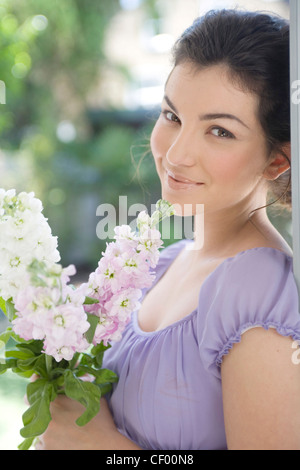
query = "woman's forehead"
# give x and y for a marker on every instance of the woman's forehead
(210, 89)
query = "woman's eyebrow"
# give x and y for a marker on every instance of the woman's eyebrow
(167, 99)
(207, 117)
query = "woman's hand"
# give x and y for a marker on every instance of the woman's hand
(64, 434)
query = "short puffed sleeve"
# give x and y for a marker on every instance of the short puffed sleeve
(256, 288)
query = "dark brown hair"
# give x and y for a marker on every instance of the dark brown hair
(254, 46)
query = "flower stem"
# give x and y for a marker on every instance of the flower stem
(48, 363)
(73, 362)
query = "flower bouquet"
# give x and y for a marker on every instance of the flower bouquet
(60, 331)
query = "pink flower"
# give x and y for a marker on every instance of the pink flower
(110, 273)
(123, 303)
(53, 312)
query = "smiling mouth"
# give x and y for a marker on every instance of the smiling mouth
(180, 180)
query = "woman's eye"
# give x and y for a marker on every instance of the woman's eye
(171, 116)
(220, 132)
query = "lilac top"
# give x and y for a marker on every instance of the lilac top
(169, 394)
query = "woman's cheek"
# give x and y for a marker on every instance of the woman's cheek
(162, 139)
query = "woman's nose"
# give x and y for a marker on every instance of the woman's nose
(183, 150)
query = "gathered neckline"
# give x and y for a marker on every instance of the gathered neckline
(138, 330)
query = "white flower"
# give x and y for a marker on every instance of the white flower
(25, 235)
(124, 232)
(143, 220)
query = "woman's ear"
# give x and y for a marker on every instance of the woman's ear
(279, 163)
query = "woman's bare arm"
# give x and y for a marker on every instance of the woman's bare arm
(261, 393)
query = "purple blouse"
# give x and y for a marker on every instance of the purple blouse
(169, 393)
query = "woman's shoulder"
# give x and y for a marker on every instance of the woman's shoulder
(260, 256)
(254, 288)
(267, 251)
(258, 264)
(255, 270)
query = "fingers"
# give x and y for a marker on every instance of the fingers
(39, 445)
(34, 377)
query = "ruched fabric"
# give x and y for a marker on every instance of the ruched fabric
(169, 393)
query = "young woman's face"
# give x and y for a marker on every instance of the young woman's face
(208, 145)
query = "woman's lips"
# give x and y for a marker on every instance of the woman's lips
(179, 182)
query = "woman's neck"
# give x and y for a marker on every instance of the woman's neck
(218, 234)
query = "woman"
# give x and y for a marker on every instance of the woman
(208, 364)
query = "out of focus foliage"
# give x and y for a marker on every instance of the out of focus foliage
(51, 57)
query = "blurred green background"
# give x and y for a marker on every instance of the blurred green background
(83, 82)
(73, 155)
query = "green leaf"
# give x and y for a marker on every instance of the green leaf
(37, 418)
(98, 352)
(10, 310)
(27, 364)
(2, 305)
(59, 381)
(90, 301)
(40, 366)
(86, 360)
(27, 374)
(5, 337)
(34, 390)
(35, 346)
(26, 444)
(102, 376)
(25, 350)
(19, 354)
(105, 388)
(93, 321)
(85, 393)
(106, 376)
(9, 364)
(36, 364)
